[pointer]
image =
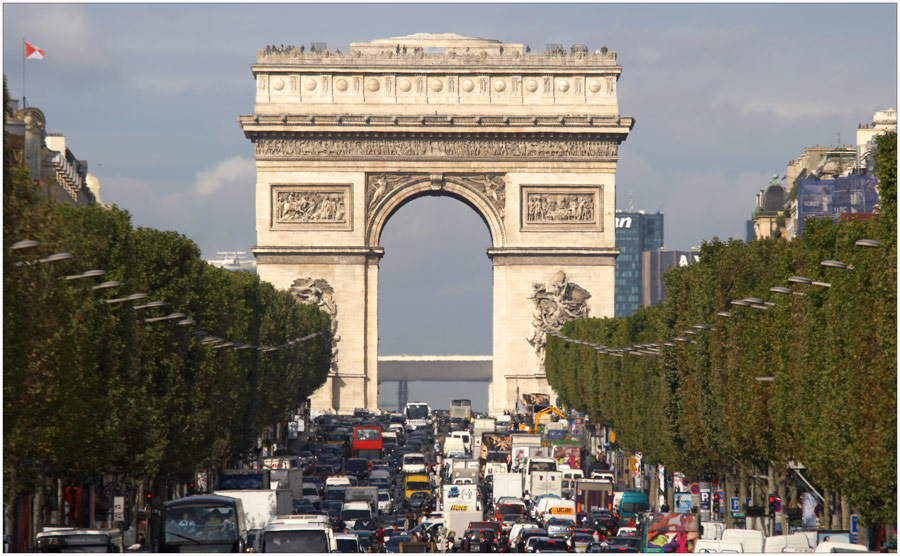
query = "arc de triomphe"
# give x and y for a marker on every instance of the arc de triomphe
(528, 141)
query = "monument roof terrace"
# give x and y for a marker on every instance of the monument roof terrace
(445, 50)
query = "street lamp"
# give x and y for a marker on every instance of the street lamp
(167, 317)
(107, 284)
(87, 274)
(149, 305)
(867, 243)
(24, 244)
(836, 264)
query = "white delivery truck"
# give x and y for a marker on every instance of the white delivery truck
(506, 484)
(452, 445)
(291, 479)
(544, 482)
(260, 506)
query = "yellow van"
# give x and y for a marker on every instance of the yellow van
(416, 483)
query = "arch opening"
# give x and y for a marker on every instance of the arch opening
(435, 298)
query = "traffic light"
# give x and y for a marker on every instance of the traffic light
(716, 503)
(771, 504)
(148, 497)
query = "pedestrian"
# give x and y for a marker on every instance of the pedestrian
(485, 543)
(520, 544)
(142, 540)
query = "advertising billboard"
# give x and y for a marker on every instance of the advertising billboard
(671, 532)
(834, 197)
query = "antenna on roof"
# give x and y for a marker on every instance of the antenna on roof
(630, 204)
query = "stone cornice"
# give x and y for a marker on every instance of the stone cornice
(573, 256)
(256, 123)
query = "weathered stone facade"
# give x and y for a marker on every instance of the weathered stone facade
(529, 142)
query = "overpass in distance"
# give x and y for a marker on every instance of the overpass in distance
(404, 369)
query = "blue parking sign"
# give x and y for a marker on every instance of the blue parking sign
(735, 505)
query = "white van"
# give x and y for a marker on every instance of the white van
(285, 534)
(413, 463)
(466, 439)
(835, 546)
(796, 542)
(559, 507)
(351, 512)
(751, 539)
(708, 546)
(340, 481)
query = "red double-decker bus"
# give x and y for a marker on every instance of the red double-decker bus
(367, 443)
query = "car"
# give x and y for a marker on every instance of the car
(393, 543)
(418, 501)
(385, 503)
(531, 542)
(557, 527)
(579, 542)
(623, 544)
(348, 542)
(302, 506)
(550, 545)
(332, 508)
(311, 492)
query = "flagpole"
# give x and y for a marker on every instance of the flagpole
(23, 72)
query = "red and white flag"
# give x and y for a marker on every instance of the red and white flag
(33, 52)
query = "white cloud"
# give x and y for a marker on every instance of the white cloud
(231, 172)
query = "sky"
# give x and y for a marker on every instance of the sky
(723, 95)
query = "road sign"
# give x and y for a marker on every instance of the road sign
(118, 508)
(704, 497)
(854, 529)
(735, 504)
(695, 488)
(777, 504)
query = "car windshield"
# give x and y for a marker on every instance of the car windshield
(313, 540)
(549, 544)
(504, 509)
(413, 460)
(418, 485)
(384, 496)
(310, 491)
(348, 545)
(397, 539)
(635, 507)
(198, 523)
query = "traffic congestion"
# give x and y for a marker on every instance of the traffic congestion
(429, 481)
(415, 481)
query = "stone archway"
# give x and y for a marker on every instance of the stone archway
(529, 142)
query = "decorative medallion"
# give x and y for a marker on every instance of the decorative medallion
(436, 85)
(341, 85)
(404, 85)
(468, 86)
(595, 86)
(278, 84)
(309, 84)
(499, 85)
(373, 85)
(531, 85)
(562, 85)
(556, 303)
(319, 292)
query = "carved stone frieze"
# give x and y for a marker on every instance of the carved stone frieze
(562, 207)
(319, 292)
(311, 206)
(463, 148)
(553, 207)
(556, 303)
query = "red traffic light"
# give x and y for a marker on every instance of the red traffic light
(771, 499)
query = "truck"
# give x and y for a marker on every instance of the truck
(260, 506)
(362, 494)
(544, 482)
(521, 454)
(593, 494)
(479, 427)
(291, 479)
(458, 522)
(506, 484)
(453, 444)
(460, 411)
(239, 479)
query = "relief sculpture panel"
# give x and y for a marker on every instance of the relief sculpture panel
(311, 207)
(463, 149)
(556, 302)
(561, 208)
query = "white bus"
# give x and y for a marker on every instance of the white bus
(417, 415)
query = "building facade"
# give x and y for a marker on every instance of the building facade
(636, 232)
(654, 265)
(51, 163)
